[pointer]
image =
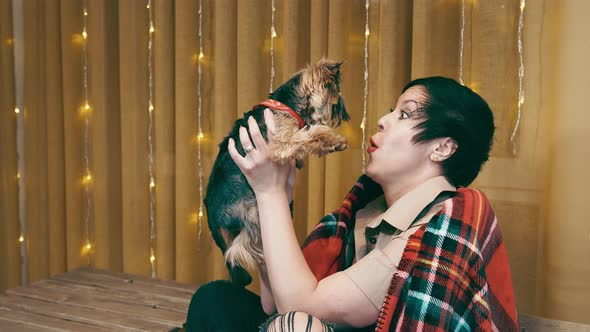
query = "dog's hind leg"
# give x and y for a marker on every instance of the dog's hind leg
(245, 250)
(237, 257)
(238, 274)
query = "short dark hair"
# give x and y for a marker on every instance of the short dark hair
(453, 110)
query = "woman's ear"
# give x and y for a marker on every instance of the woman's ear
(443, 149)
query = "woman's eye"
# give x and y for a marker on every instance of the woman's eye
(404, 115)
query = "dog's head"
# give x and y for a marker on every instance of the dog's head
(314, 93)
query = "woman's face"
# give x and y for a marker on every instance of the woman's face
(392, 152)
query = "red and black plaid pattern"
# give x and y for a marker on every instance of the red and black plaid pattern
(324, 248)
(453, 275)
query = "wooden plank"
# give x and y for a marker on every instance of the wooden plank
(55, 289)
(96, 301)
(8, 325)
(103, 281)
(16, 320)
(539, 324)
(137, 278)
(108, 319)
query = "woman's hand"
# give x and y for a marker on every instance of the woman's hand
(263, 175)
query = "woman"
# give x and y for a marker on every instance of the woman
(409, 249)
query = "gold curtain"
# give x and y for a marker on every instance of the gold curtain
(537, 193)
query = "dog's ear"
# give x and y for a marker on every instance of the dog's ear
(331, 70)
(331, 65)
(339, 113)
(334, 66)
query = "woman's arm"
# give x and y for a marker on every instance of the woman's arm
(268, 302)
(294, 287)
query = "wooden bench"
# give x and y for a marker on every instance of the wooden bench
(95, 300)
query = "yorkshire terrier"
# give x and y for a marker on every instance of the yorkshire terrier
(306, 108)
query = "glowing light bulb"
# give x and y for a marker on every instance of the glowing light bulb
(88, 246)
(152, 258)
(148, 6)
(16, 110)
(18, 175)
(87, 179)
(201, 55)
(522, 4)
(200, 135)
(521, 100)
(273, 32)
(152, 29)
(367, 32)
(151, 108)
(87, 106)
(200, 213)
(152, 183)
(21, 239)
(85, 12)
(84, 34)
(363, 125)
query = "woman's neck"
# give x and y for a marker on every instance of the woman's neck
(394, 189)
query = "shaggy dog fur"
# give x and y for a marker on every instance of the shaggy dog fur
(314, 94)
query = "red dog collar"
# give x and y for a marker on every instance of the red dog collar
(278, 106)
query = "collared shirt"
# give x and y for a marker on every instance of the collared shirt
(381, 234)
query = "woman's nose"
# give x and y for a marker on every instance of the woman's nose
(380, 124)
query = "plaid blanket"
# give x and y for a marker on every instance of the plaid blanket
(453, 275)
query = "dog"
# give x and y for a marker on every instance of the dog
(306, 108)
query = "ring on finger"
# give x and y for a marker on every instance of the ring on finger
(248, 149)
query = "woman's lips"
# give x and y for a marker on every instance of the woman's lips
(372, 147)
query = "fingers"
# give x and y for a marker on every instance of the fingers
(256, 135)
(245, 140)
(270, 121)
(235, 155)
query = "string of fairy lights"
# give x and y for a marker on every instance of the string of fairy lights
(152, 182)
(366, 90)
(273, 35)
(520, 101)
(86, 110)
(18, 53)
(200, 135)
(520, 76)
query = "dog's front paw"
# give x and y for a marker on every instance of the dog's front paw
(341, 144)
(281, 156)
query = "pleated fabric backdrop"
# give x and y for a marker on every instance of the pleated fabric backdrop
(408, 39)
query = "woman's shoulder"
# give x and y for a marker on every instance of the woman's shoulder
(471, 207)
(472, 196)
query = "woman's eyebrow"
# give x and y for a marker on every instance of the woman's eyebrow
(409, 101)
